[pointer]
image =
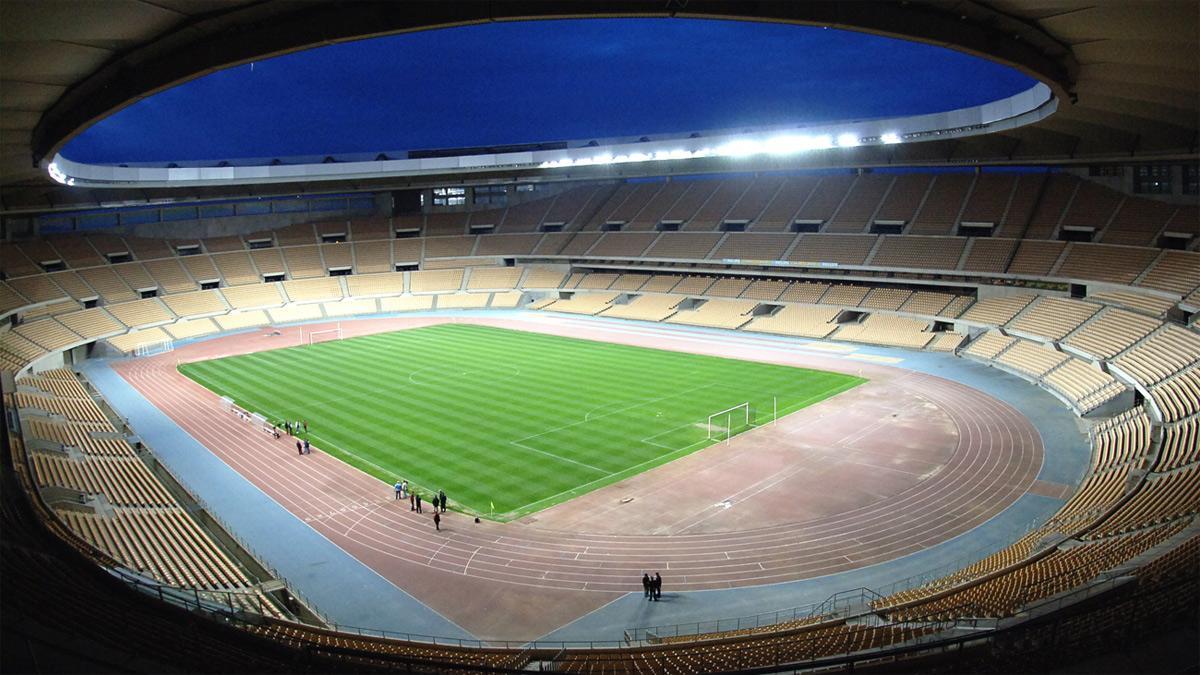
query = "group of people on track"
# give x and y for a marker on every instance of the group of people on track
(414, 501)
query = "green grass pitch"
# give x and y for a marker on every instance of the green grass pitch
(493, 416)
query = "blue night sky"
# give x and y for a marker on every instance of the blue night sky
(540, 81)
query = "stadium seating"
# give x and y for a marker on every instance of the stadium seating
(1052, 317)
(253, 297)
(649, 307)
(236, 268)
(190, 328)
(582, 303)
(798, 320)
(196, 303)
(781, 211)
(716, 314)
(1126, 513)
(883, 329)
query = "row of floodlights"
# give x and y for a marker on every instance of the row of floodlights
(779, 145)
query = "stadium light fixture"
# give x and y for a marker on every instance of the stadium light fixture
(740, 148)
(847, 140)
(56, 173)
(890, 137)
(786, 145)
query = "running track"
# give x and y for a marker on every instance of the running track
(996, 460)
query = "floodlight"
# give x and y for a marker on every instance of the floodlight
(847, 140)
(56, 173)
(741, 148)
(786, 145)
(890, 137)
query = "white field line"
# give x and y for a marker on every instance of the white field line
(519, 444)
(618, 410)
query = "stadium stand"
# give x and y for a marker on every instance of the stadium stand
(201, 269)
(196, 303)
(861, 203)
(190, 328)
(649, 307)
(1052, 318)
(883, 329)
(943, 204)
(141, 313)
(798, 320)
(171, 277)
(240, 319)
(765, 290)
(321, 289)
(253, 297)
(135, 277)
(683, 245)
(780, 213)
(751, 246)
(435, 281)
(1110, 332)
(716, 314)
(844, 249)
(106, 282)
(371, 257)
(629, 282)
(1116, 516)
(582, 303)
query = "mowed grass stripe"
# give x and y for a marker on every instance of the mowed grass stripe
(443, 405)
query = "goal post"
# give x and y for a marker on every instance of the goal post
(152, 348)
(325, 335)
(725, 424)
(720, 424)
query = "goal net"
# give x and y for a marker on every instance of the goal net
(730, 422)
(325, 335)
(152, 348)
(724, 424)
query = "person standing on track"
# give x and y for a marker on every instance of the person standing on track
(437, 520)
(656, 587)
(418, 502)
(442, 500)
(646, 585)
(399, 490)
(299, 447)
(412, 500)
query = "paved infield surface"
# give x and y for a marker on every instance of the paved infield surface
(890, 468)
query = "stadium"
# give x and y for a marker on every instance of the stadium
(911, 391)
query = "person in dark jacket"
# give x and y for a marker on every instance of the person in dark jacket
(646, 585)
(657, 586)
